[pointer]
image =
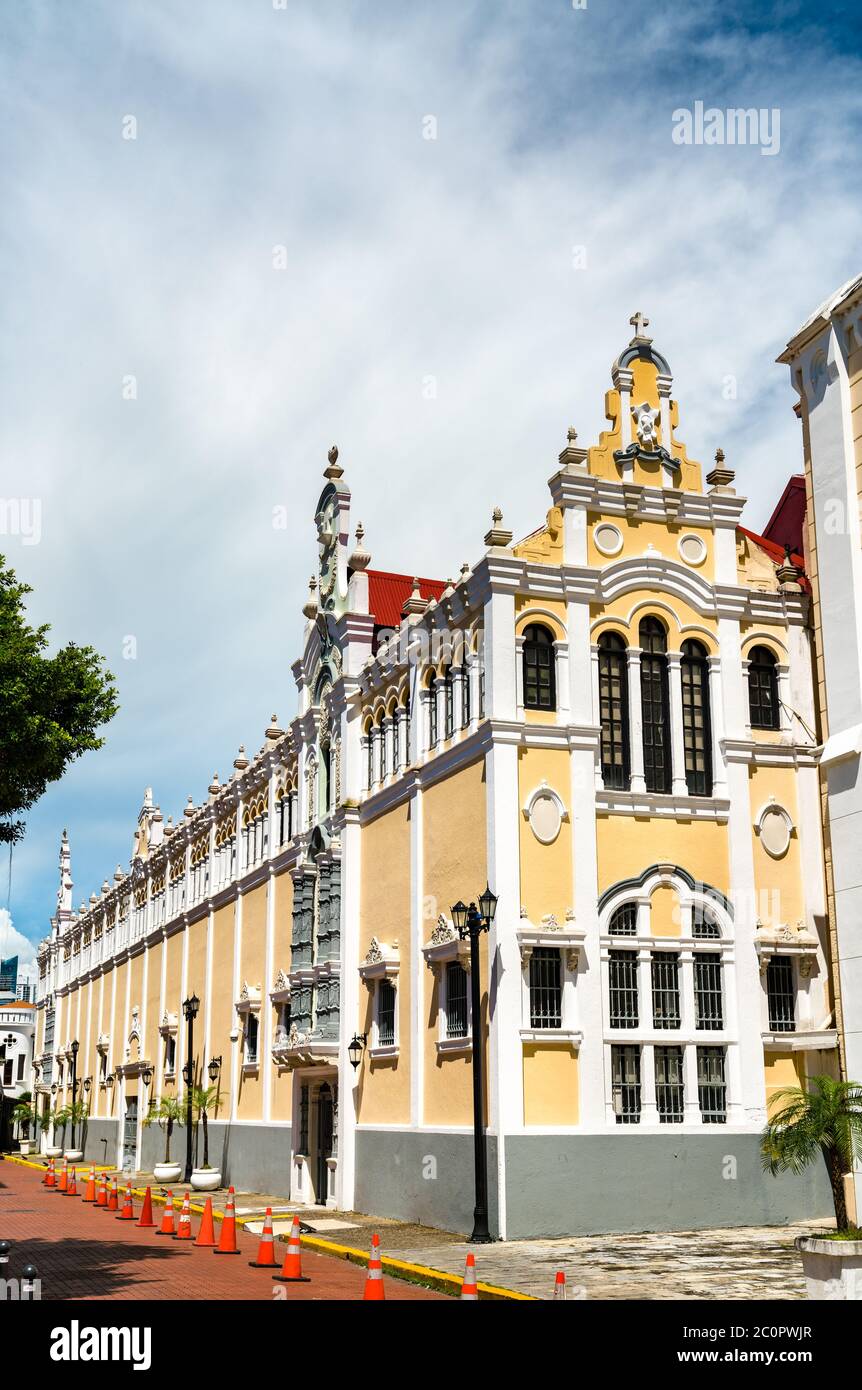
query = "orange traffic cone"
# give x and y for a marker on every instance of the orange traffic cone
(113, 1200)
(168, 1228)
(51, 1175)
(266, 1249)
(128, 1212)
(227, 1238)
(102, 1192)
(374, 1291)
(560, 1286)
(184, 1228)
(146, 1217)
(291, 1270)
(90, 1190)
(64, 1177)
(206, 1234)
(468, 1286)
(71, 1186)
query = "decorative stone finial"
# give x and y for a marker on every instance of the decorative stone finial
(334, 471)
(118, 874)
(189, 808)
(720, 478)
(359, 559)
(497, 536)
(415, 604)
(240, 762)
(273, 731)
(639, 322)
(572, 456)
(309, 608)
(787, 573)
(215, 785)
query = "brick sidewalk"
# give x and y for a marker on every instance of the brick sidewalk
(83, 1252)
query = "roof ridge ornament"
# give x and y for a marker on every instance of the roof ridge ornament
(497, 536)
(334, 471)
(639, 322)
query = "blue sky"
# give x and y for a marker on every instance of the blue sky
(405, 258)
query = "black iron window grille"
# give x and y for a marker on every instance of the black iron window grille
(432, 712)
(696, 728)
(708, 1005)
(665, 989)
(626, 1084)
(623, 977)
(539, 668)
(669, 1086)
(711, 1085)
(624, 921)
(614, 711)
(456, 1000)
(655, 706)
(385, 1014)
(781, 995)
(546, 992)
(763, 705)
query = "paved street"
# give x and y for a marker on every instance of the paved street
(82, 1252)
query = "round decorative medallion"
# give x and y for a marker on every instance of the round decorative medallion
(608, 538)
(775, 828)
(545, 817)
(692, 549)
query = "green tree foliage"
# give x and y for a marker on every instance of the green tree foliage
(52, 706)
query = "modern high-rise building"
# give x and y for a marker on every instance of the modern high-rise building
(612, 723)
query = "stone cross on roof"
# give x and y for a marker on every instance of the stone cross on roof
(639, 322)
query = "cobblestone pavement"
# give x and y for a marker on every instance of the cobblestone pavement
(744, 1263)
(82, 1252)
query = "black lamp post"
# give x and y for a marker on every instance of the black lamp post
(470, 922)
(75, 1046)
(214, 1068)
(190, 1010)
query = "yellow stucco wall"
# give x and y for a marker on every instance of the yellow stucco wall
(550, 1084)
(665, 911)
(778, 882)
(781, 1069)
(546, 870)
(625, 848)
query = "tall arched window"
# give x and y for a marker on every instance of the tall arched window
(763, 689)
(655, 706)
(432, 711)
(449, 703)
(614, 707)
(696, 730)
(540, 684)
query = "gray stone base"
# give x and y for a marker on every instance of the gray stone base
(255, 1158)
(559, 1185)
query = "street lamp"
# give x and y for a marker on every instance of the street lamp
(75, 1046)
(355, 1048)
(190, 1010)
(214, 1068)
(469, 923)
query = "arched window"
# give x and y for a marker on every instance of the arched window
(369, 753)
(380, 735)
(466, 677)
(449, 704)
(655, 706)
(704, 927)
(624, 920)
(540, 684)
(696, 730)
(763, 689)
(432, 711)
(614, 707)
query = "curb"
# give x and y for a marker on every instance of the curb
(436, 1279)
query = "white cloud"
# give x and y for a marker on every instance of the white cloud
(12, 943)
(405, 257)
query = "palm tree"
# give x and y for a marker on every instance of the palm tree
(60, 1117)
(204, 1098)
(25, 1115)
(168, 1112)
(825, 1118)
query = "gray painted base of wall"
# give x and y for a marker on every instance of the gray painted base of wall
(254, 1158)
(424, 1176)
(560, 1185)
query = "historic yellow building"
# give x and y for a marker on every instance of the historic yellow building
(611, 722)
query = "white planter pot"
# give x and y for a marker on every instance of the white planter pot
(24, 1146)
(53, 1153)
(167, 1172)
(206, 1179)
(832, 1268)
(73, 1155)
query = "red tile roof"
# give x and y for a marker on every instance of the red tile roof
(387, 594)
(785, 525)
(776, 552)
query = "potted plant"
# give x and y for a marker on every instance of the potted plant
(25, 1116)
(825, 1119)
(76, 1115)
(54, 1120)
(167, 1113)
(205, 1178)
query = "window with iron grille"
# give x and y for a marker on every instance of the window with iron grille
(303, 1120)
(711, 1085)
(456, 1000)
(614, 711)
(623, 977)
(696, 729)
(449, 703)
(546, 993)
(708, 1008)
(539, 668)
(466, 675)
(385, 1014)
(481, 688)
(704, 927)
(781, 995)
(396, 740)
(655, 706)
(665, 989)
(626, 1084)
(251, 1031)
(669, 1088)
(624, 921)
(763, 706)
(432, 712)
(381, 748)
(369, 750)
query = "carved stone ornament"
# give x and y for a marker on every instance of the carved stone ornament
(375, 952)
(550, 923)
(645, 423)
(443, 932)
(282, 983)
